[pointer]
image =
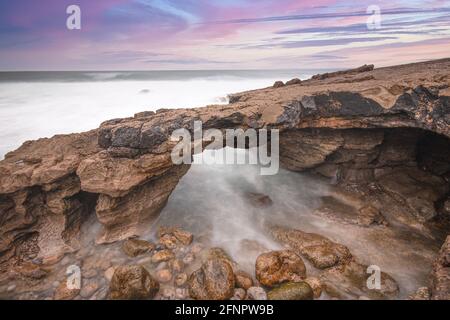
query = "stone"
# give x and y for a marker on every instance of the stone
(132, 283)
(181, 279)
(423, 293)
(293, 81)
(256, 293)
(243, 280)
(136, 247)
(319, 250)
(291, 291)
(163, 275)
(275, 267)
(179, 235)
(315, 285)
(162, 256)
(181, 294)
(349, 281)
(168, 294)
(109, 273)
(89, 288)
(278, 84)
(239, 294)
(213, 281)
(63, 292)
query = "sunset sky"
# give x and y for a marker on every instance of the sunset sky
(219, 34)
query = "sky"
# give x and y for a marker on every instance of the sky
(220, 34)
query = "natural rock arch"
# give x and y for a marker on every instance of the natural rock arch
(343, 125)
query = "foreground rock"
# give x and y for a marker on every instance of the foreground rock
(276, 267)
(440, 276)
(132, 283)
(292, 291)
(320, 251)
(350, 281)
(213, 281)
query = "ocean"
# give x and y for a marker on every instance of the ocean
(41, 104)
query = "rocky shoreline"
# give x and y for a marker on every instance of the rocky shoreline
(380, 137)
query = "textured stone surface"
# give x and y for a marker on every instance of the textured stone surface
(132, 283)
(123, 172)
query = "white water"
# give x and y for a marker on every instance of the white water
(32, 110)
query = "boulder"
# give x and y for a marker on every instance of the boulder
(293, 81)
(350, 281)
(291, 291)
(132, 283)
(278, 84)
(275, 267)
(319, 250)
(213, 281)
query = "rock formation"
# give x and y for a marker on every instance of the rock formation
(388, 126)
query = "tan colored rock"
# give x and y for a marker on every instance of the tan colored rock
(349, 281)
(176, 235)
(163, 275)
(243, 280)
(136, 247)
(132, 283)
(320, 251)
(63, 292)
(213, 281)
(291, 291)
(162, 256)
(276, 267)
(315, 285)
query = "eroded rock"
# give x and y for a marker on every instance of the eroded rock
(132, 283)
(276, 267)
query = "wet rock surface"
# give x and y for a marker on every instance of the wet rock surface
(379, 137)
(214, 281)
(132, 282)
(276, 267)
(291, 291)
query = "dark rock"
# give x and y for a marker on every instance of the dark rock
(293, 81)
(278, 84)
(440, 276)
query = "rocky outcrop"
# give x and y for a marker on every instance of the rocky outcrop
(351, 126)
(440, 276)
